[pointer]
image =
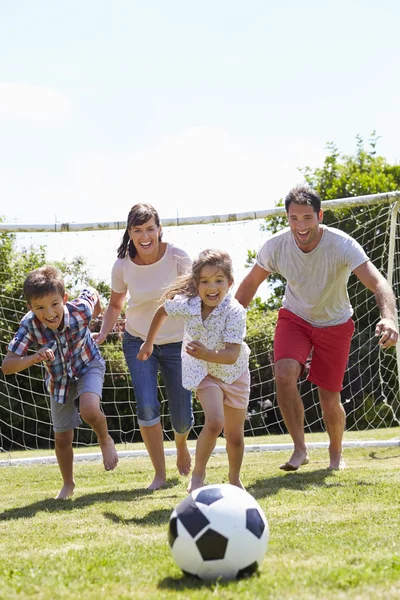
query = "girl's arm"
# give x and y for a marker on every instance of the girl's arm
(14, 363)
(226, 356)
(146, 349)
(110, 316)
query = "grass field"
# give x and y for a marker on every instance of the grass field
(332, 535)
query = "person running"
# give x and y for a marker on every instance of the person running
(316, 262)
(215, 358)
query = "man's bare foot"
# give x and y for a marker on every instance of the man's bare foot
(238, 483)
(110, 456)
(298, 458)
(195, 482)
(183, 460)
(337, 464)
(66, 491)
(157, 483)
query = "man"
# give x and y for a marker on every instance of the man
(316, 262)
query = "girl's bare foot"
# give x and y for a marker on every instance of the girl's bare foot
(110, 456)
(66, 491)
(195, 482)
(183, 460)
(157, 483)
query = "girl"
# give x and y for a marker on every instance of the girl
(214, 356)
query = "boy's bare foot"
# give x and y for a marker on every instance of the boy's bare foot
(110, 456)
(298, 458)
(183, 460)
(66, 491)
(195, 482)
(157, 483)
(337, 464)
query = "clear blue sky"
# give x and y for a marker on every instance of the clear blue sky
(199, 107)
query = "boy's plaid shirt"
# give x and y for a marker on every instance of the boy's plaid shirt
(73, 346)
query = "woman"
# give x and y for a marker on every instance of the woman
(145, 267)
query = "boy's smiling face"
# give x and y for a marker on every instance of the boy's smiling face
(49, 309)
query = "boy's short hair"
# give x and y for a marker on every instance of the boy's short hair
(43, 281)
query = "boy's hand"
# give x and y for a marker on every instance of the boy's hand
(197, 350)
(146, 350)
(45, 354)
(99, 338)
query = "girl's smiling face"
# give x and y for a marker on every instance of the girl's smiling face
(213, 285)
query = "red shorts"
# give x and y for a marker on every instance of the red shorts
(295, 338)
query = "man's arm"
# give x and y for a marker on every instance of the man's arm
(387, 327)
(250, 285)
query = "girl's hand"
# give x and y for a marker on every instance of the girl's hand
(43, 354)
(99, 338)
(146, 350)
(197, 350)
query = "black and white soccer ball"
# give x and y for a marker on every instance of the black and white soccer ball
(218, 532)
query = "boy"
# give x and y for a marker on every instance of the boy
(59, 332)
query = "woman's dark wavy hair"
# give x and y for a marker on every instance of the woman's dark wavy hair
(138, 215)
(187, 285)
(303, 194)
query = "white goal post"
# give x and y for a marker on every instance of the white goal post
(370, 395)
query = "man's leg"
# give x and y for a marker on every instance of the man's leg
(334, 418)
(287, 372)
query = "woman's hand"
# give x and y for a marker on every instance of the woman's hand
(146, 350)
(99, 338)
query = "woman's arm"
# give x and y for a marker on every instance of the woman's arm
(111, 315)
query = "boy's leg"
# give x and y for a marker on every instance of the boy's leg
(89, 406)
(179, 402)
(212, 401)
(234, 435)
(65, 458)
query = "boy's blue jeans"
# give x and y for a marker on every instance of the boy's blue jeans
(167, 358)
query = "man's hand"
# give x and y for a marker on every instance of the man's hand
(387, 332)
(197, 350)
(99, 338)
(43, 354)
(146, 350)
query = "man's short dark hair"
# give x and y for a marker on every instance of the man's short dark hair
(303, 194)
(43, 281)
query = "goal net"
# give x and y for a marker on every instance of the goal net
(86, 252)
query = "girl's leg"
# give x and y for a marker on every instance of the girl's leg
(65, 458)
(212, 401)
(179, 402)
(89, 406)
(234, 435)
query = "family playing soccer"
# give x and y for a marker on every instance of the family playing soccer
(182, 319)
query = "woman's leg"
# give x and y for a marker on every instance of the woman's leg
(234, 435)
(144, 380)
(65, 458)
(212, 401)
(179, 402)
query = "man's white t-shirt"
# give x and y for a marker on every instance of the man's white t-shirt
(316, 281)
(146, 284)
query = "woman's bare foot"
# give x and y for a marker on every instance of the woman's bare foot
(66, 491)
(195, 482)
(157, 483)
(183, 460)
(298, 458)
(110, 456)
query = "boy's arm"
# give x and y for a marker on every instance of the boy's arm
(14, 363)
(225, 356)
(146, 349)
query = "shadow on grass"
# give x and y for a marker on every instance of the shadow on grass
(188, 582)
(298, 481)
(77, 503)
(155, 517)
(375, 456)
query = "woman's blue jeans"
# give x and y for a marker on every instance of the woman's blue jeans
(167, 358)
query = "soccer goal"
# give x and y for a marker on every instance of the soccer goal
(86, 251)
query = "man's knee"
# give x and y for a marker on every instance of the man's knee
(287, 371)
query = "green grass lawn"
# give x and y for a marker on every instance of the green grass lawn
(332, 535)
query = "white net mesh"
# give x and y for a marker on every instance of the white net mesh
(371, 385)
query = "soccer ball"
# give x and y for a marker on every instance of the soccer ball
(218, 532)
